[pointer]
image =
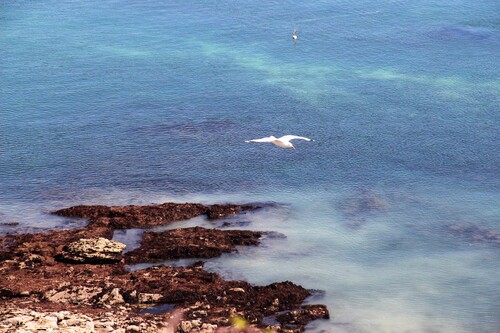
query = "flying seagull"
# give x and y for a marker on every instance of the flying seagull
(283, 142)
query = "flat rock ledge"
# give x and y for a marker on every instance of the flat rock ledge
(133, 216)
(193, 242)
(76, 281)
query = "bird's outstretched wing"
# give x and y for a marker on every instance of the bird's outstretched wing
(268, 139)
(292, 137)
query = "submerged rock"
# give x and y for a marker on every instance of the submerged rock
(92, 251)
(476, 234)
(464, 33)
(361, 205)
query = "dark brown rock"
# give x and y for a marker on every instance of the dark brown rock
(219, 211)
(193, 242)
(31, 278)
(125, 217)
(43, 247)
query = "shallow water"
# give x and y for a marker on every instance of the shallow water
(145, 102)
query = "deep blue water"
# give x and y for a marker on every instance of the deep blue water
(121, 102)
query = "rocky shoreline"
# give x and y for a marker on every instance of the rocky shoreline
(76, 280)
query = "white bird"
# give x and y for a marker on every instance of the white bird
(283, 142)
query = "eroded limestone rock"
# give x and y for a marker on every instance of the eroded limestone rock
(92, 251)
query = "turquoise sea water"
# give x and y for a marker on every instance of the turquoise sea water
(393, 211)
